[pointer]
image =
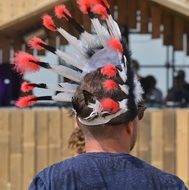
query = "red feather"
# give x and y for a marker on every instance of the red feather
(86, 5)
(61, 11)
(27, 87)
(24, 62)
(35, 43)
(100, 10)
(115, 44)
(26, 101)
(49, 23)
(110, 85)
(110, 105)
(110, 70)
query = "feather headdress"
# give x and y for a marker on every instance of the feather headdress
(103, 51)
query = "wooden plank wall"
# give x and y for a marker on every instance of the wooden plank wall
(33, 139)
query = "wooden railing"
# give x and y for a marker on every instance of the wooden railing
(32, 139)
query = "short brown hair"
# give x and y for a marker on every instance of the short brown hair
(93, 83)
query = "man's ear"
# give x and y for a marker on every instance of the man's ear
(78, 123)
(130, 128)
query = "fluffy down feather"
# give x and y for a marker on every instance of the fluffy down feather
(49, 23)
(115, 44)
(110, 105)
(110, 70)
(36, 43)
(26, 101)
(61, 11)
(27, 87)
(25, 62)
(86, 5)
(100, 10)
(110, 85)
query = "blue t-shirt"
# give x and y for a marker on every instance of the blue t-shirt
(105, 171)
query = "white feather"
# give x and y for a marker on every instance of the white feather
(124, 88)
(113, 26)
(138, 91)
(67, 73)
(101, 31)
(123, 75)
(73, 41)
(63, 87)
(63, 97)
(70, 60)
(68, 87)
(89, 39)
(123, 104)
(97, 109)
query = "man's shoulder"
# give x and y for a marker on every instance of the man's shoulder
(164, 179)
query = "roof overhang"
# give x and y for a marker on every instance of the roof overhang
(27, 21)
(181, 7)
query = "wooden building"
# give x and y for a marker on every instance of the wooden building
(170, 18)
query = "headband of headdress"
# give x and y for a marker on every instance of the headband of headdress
(103, 51)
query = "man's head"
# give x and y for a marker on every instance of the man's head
(120, 131)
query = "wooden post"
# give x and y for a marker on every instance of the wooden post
(168, 29)
(4, 149)
(182, 144)
(178, 33)
(41, 139)
(17, 43)
(54, 135)
(187, 51)
(52, 39)
(156, 139)
(156, 21)
(144, 138)
(6, 46)
(28, 147)
(67, 128)
(16, 149)
(169, 140)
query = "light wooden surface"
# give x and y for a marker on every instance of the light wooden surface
(11, 9)
(33, 139)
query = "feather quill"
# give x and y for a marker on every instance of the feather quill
(63, 97)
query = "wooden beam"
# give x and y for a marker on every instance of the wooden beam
(156, 21)
(178, 33)
(168, 29)
(132, 14)
(145, 13)
(122, 12)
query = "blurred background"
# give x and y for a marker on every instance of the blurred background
(157, 32)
